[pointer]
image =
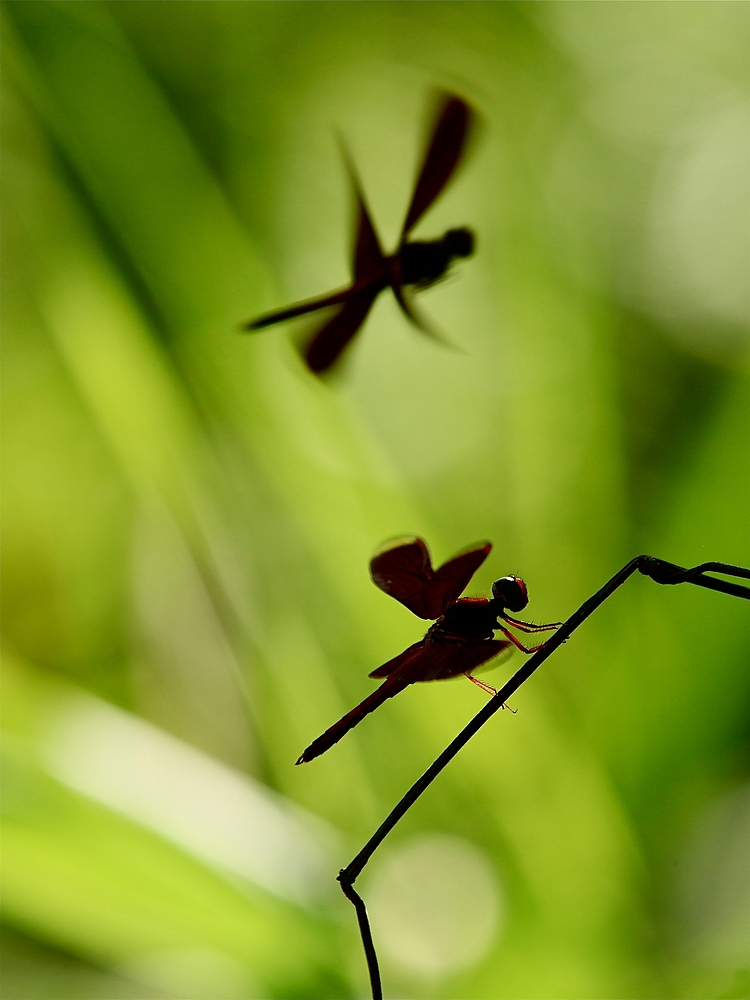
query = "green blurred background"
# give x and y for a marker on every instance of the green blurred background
(189, 514)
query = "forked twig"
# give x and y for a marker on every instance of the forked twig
(659, 571)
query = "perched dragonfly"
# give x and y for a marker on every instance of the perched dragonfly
(415, 264)
(461, 639)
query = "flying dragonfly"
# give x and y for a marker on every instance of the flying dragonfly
(414, 265)
(458, 642)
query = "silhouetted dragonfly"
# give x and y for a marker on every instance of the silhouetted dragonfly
(415, 264)
(461, 639)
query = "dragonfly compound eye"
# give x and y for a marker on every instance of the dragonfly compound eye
(510, 592)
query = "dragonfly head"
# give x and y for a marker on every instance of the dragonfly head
(510, 592)
(459, 242)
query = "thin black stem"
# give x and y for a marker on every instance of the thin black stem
(668, 573)
(364, 930)
(659, 571)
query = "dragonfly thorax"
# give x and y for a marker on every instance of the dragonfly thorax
(467, 618)
(423, 263)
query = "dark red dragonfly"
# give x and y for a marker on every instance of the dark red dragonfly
(414, 264)
(461, 639)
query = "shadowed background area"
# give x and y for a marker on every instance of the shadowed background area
(189, 514)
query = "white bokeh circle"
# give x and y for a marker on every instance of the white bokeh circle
(434, 904)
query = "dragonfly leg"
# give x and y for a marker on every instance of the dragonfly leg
(529, 626)
(517, 643)
(488, 689)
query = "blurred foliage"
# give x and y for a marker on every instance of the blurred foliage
(189, 514)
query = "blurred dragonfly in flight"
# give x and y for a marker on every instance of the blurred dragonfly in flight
(415, 264)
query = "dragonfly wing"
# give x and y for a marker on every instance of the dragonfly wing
(450, 581)
(503, 654)
(443, 154)
(328, 343)
(438, 661)
(414, 316)
(403, 569)
(368, 263)
(397, 661)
